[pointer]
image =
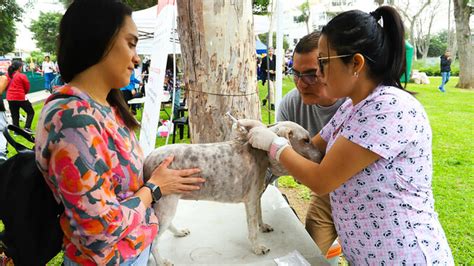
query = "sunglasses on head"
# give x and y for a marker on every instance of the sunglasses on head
(308, 78)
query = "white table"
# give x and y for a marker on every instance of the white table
(219, 234)
(165, 98)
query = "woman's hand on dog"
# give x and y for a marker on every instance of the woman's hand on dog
(173, 181)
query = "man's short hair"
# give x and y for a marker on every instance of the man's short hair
(308, 43)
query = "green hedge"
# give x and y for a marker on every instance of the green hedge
(432, 69)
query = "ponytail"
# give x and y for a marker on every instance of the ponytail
(378, 36)
(393, 46)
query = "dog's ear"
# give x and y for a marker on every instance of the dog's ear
(281, 130)
(285, 132)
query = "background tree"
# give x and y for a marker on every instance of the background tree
(45, 30)
(438, 44)
(411, 14)
(134, 4)
(260, 7)
(463, 10)
(218, 49)
(423, 28)
(305, 10)
(264, 37)
(10, 13)
(66, 3)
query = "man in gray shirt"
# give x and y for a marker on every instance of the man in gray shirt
(309, 106)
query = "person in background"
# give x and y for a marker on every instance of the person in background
(129, 91)
(48, 70)
(3, 118)
(309, 106)
(268, 70)
(445, 65)
(378, 155)
(86, 145)
(169, 83)
(145, 74)
(16, 95)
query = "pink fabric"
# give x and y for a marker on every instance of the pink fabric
(384, 215)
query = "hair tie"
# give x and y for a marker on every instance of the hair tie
(376, 15)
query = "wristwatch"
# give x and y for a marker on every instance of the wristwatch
(155, 191)
(278, 144)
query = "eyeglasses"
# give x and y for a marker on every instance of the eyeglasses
(325, 60)
(307, 78)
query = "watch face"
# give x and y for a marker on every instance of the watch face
(156, 193)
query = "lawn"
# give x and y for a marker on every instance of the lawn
(452, 120)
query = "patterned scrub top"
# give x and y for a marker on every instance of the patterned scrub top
(93, 164)
(384, 215)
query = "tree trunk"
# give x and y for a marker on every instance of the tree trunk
(462, 13)
(218, 50)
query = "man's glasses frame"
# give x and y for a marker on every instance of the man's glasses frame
(307, 78)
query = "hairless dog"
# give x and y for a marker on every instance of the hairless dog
(234, 173)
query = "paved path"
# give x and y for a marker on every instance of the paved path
(34, 97)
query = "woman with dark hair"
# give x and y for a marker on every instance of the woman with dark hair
(18, 87)
(378, 156)
(86, 147)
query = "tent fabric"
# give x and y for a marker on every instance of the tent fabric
(145, 20)
(260, 47)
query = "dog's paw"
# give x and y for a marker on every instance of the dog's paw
(165, 262)
(265, 228)
(182, 233)
(260, 249)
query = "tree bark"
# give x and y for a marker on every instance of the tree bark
(218, 51)
(462, 13)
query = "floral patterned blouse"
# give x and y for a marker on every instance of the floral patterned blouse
(93, 164)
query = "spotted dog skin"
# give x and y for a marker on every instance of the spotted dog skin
(234, 173)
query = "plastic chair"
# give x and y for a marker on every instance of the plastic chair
(179, 124)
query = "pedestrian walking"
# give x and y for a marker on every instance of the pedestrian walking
(445, 65)
(16, 95)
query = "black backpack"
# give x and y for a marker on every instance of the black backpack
(28, 209)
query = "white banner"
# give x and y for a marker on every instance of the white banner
(154, 88)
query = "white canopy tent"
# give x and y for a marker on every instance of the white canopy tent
(146, 19)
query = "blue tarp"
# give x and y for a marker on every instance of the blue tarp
(260, 47)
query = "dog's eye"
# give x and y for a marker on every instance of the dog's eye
(307, 140)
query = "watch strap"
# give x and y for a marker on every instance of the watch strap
(155, 191)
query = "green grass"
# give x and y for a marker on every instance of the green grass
(452, 120)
